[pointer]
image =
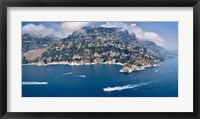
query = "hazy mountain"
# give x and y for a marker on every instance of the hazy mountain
(159, 53)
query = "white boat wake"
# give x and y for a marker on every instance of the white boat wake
(131, 86)
(63, 75)
(34, 83)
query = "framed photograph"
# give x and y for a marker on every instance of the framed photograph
(98, 59)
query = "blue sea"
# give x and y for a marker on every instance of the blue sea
(100, 80)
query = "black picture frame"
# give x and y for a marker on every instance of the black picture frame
(99, 3)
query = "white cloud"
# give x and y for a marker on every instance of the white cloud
(69, 27)
(40, 31)
(73, 25)
(139, 32)
(63, 30)
(146, 35)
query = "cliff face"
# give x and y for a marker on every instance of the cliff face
(93, 45)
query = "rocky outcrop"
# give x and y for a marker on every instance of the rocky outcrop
(129, 69)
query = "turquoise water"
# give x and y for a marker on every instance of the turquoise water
(100, 80)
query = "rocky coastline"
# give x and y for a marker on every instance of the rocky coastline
(130, 69)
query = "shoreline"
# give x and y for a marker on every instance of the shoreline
(124, 69)
(70, 63)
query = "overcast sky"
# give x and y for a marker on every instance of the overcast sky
(164, 34)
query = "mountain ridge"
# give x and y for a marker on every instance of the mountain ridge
(102, 45)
